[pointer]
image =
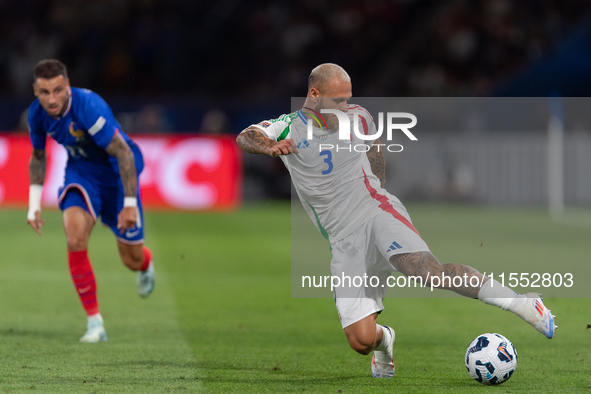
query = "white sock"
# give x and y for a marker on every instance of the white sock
(493, 293)
(96, 316)
(382, 346)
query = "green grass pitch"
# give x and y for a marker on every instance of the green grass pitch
(222, 319)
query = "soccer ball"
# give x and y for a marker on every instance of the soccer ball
(491, 359)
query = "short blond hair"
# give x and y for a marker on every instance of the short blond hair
(321, 74)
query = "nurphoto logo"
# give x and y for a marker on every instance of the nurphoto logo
(346, 129)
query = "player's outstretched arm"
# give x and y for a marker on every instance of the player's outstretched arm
(252, 140)
(377, 160)
(119, 149)
(37, 166)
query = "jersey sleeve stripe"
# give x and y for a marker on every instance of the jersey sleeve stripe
(283, 134)
(302, 117)
(359, 107)
(364, 124)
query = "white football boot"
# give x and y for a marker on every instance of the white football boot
(95, 332)
(382, 362)
(145, 281)
(531, 308)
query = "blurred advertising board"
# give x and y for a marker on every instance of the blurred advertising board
(181, 172)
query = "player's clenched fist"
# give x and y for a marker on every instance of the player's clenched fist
(284, 147)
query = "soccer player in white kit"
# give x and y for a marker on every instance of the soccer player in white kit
(369, 229)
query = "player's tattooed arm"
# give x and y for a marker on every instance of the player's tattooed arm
(252, 140)
(37, 166)
(377, 160)
(119, 149)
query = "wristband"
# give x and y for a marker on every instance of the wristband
(129, 202)
(35, 192)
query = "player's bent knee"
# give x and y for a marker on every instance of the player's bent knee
(361, 347)
(132, 263)
(132, 256)
(362, 342)
(362, 334)
(77, 225)
(76, 242)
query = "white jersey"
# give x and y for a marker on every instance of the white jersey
(335, 184)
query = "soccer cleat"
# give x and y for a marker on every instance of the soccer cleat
(145, 281)
(533, 311)
(95, 332)
(382, 363)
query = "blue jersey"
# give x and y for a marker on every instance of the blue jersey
(85, 129)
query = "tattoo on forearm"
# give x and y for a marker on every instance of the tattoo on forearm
(253, 141)
(377, 160)
(425, 265)
(37, 166)
(119, 148)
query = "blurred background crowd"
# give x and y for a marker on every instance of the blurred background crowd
(266, 48)
(218, 66)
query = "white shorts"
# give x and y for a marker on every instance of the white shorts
(363, 256)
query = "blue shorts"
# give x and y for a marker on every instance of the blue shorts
(99, 198)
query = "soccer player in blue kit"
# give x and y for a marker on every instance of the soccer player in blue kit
(101, 179)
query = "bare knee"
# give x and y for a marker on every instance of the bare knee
(362, 335)
(77, 225)
(77, 242)
(131, 263)
(362, 344)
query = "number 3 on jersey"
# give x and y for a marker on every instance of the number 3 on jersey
(327, 160)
